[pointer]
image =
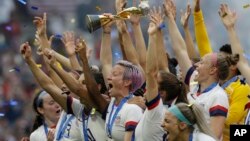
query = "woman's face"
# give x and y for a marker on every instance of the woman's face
(115, 80)
(51, 109)
(170, 125)
(203, 68)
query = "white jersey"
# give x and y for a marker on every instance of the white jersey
(149, 127)
(95, 124)
(198, 136)
(126, 119)
(68, 127)
(214, 100)
(39, 134)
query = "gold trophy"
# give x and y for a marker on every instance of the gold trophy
(95, 22)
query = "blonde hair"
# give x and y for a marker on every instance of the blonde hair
(195, 115)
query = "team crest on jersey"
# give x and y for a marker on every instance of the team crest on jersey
(118, 119)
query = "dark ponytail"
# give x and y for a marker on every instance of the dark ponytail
(173, 87)
(38, 103)
(38, 122)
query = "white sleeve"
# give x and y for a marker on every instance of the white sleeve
(134, 114)
(220, 105)
(75, 107)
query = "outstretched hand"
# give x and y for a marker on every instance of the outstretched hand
(156, 20)
(228, 17)
(120, 5)
(69, 42)
(40, 24)
(185, 16)
(107, 27)
(25, 50)
(42, 44)
(169, 9)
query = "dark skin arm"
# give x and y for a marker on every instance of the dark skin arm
(90, 82)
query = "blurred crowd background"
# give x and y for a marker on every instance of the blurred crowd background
(17, 84)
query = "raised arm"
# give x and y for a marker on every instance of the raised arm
(188, 38)
(90, 82)
(64, 61)
(201, 35)
(157, 18)
(69, 42)
(41, 51)
(178, 43)
(152, 65)
(229, 18)
(106, 53)
(140, 45)
(72, 83)
(44, 81)
(129, 49)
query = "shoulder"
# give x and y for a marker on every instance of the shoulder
(132, 107)
(198, 136)
(219, 91)
(36, 134)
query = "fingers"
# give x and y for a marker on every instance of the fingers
(45, 18)
(24, 47)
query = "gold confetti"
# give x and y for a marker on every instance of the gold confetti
(39, 65)
(246, 6)
(98, 8)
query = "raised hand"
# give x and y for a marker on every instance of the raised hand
(69, 42)
(80, 45)
(227, 16)
(120, 5)
(156, 20)
(25, 50)
(135, 19)
(40, 24)
(185, 16)
(39, 43)
(50, 54)
(107, 27)
(169, 9)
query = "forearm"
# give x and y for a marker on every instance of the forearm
(106, 55)
(92, 86)
(217, 125)
(190, 44)
(129, 50)
(128, 136)
(161, 52)
(179, 47)
(52, 74)
(63, 60)
(235, 44)
(71, 82)
(242, 65)
(74, 62)
(151, 70)
(47, 84)
(201, 35)
(140, 45)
